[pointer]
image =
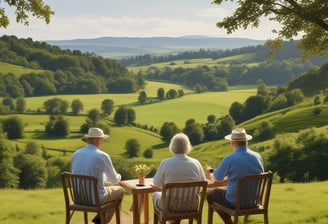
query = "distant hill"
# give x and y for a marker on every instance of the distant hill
(120, 47)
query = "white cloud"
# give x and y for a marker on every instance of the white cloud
(198, 21)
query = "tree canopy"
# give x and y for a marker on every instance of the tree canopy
(295, 16)
(23, 9)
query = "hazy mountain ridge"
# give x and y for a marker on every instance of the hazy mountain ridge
(119, 47)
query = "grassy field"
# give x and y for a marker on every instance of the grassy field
(193, 63)
(15, 69)
(289, 203)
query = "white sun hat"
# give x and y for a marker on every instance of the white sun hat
(95, 133)
(238, 134)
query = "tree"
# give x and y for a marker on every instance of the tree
(124, 116)
(226, 124)
(235, 111)
(194, 131)
(107, 106)
(120, 116)
(9, 102)
(56, 106)
(94, 117)
(160, 93)
(131, 116)
(8, 174)
(171, 94)
(23, 9)
(168, 130)
(20, 105)
(76, 106)
(132, 147)
(295, 17)
(14, 127)
(33, 171)
(264, 131)
(57, 125)
(142, 98)
(253, 106)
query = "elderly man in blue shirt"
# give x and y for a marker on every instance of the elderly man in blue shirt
(241, 162)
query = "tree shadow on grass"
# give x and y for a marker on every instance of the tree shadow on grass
(160, 146)
(43, 136)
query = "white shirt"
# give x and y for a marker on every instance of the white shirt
(179, 168)
(93, 162)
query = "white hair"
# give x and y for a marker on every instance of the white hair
(180, 144)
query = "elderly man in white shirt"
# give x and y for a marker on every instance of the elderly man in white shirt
(91, 161)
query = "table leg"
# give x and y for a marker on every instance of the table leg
(136, 214)
(146, 207)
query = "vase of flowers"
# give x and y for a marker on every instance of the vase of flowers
(141, 170)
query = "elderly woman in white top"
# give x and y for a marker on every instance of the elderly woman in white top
(179, 168)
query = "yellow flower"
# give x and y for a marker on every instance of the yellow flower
(141, 168)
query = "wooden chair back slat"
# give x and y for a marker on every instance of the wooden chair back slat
(252, 197)
(81, 194)
(181, 201)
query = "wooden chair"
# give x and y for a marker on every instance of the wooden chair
(252, 197)
(81, 194)
(181, 201)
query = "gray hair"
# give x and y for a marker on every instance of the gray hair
(180, 144)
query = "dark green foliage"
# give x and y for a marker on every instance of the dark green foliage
(122, 85)
(142, 98)
(124, 116)
(168, 130)
(94, 116)
(300, 158)
(14, 127)
(253, 106)
(58, 126)
(55, 167)
(33, 171)
(132, 147)
(107, 106)
(148, 153)
(56, 106)
(278, 103)
(8, 102)
(84, 128)
(316, 100)
(171, 94)
(264, 131)
(312, 81)
(235, 111)
(67, 71)
(20, 105)
(194, 131)
(316, 111)
(9, 173)
(32, 148)
(211, 118)
(225, 126)
(161, 93)
(76, 106)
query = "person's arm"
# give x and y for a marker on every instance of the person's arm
(212, 182)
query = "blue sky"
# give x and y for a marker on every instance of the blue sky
(75, 19)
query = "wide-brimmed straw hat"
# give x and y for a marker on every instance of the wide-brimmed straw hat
(95, 133)
(238, 134)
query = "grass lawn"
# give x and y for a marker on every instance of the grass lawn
(289, 203)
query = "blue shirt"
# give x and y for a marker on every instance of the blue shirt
(92, 161)
(242, 162)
